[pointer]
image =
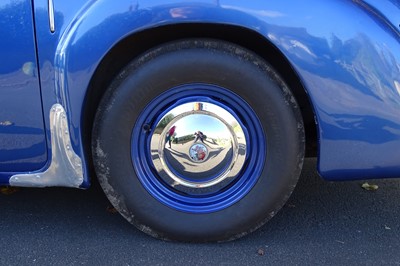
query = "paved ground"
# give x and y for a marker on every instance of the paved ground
(323, 223)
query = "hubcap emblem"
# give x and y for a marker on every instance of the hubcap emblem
(198, 153)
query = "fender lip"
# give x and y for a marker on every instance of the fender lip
(66, 166)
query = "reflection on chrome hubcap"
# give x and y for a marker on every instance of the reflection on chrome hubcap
(198, 153)
(198, 147)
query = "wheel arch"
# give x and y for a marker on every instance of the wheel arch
(122, 53)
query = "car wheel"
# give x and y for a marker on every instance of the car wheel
(198, 140)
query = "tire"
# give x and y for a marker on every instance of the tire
(217, 188)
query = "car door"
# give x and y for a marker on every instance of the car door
(22, 135)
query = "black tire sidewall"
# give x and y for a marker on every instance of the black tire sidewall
(204, 61)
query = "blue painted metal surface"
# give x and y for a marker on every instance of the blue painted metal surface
(22, 135)
(346, 53)
(351, 71)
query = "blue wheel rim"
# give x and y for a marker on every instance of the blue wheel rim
(226, 196)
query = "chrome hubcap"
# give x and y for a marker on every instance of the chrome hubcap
(198, 147)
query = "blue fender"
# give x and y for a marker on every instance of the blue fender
(346, 54)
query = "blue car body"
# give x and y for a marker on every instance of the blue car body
(55, 55)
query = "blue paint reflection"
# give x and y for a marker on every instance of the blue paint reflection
(371, 129)
(22, 137)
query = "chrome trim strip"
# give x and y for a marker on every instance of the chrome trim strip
(66, 166)
(51, 16)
